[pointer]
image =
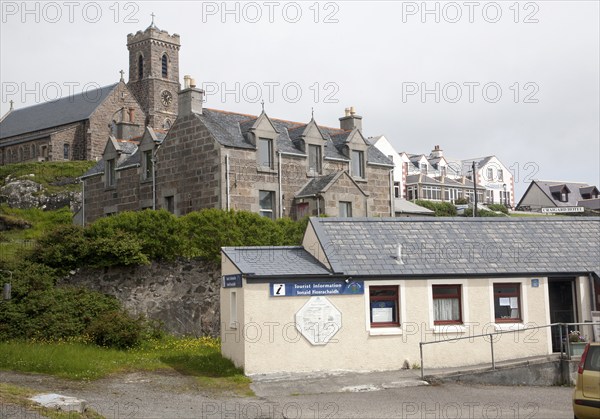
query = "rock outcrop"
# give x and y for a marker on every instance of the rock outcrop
(25, 194)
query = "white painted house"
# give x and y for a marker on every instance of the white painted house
(360, 294)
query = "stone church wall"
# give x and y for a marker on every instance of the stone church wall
(184, 295)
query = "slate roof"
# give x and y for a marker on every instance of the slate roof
(403, 206)
(63, 111)
(443, 247)
(275, 261)
(549, 186)
(228, 129)
(317, 185)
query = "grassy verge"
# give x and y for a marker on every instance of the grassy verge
(200, 358)
(53, 176)
(14, 402)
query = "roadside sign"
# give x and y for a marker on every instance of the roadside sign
(560, 210)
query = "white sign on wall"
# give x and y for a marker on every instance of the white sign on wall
(318, 320)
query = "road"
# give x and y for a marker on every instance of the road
(170, 395)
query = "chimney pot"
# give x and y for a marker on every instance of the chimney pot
(186, 81)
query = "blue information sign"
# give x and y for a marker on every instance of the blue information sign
(232, 281)
(303, 289)
(535, 283)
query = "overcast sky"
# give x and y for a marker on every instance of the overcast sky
(515, 80)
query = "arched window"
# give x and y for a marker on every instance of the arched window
(140, 67)
(165, 65)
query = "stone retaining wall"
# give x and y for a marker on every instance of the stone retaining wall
(184, 295)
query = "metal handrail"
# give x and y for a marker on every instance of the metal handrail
(560, 329)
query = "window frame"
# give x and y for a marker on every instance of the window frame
(164, 65)
(397, 321)
(260, 144)
(262, 210)
(318, 158)
(66, 151)
(348, 206)
(518, 294)
(147, 156)
(458, 295)
(111, 173)
(500, 173)
(360, 155)
(490, 174)
(170, 203)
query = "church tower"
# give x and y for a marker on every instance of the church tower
(154, 74)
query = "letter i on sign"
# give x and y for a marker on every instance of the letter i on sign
(278, 290)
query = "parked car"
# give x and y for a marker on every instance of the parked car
(586, 397)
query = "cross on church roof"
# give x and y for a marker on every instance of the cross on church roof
(122, 72)
(262, 102)
(152, 14)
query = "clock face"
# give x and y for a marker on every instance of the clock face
(166, 97)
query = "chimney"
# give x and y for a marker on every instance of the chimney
(436, 152)
(350, 120)
(126, 130)
(190, 98)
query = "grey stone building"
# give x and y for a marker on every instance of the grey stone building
(77, 127)
(217, 159)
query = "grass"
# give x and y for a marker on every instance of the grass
(198, 357)
(14, 402)
(16, 242)
(53, 176)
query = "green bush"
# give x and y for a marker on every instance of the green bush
(157, 232)
(461, 201)
(63, 248)
(116, 329)
(120, 249)
(441, 209)
(39, 309)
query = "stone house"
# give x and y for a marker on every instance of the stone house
(218, 159)
(557, 195)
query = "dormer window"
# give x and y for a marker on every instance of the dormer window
(564, 196)
(264, 147)
(165, 65)
(147, 165)
(314, 158)
(423, 167)
(358, 164)
(140, 67)
(442, 170)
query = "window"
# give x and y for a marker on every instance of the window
(447, 304)
(170, 204)
(413, 193)
(423, 167)
(266, 201)
(66, 151)
(500, 175)
(358, 164)
(383, 304)
(110, 172)
(432, 193)
(443, 171)
(396, 189)
(314, 158)
(345, 209)
(490, 174)
(140, 67)
(265, 152)
(564, 196)
(165, 65)
(148, 164)
(507, 302)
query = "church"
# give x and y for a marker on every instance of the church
(157, 146)
(77, 127)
